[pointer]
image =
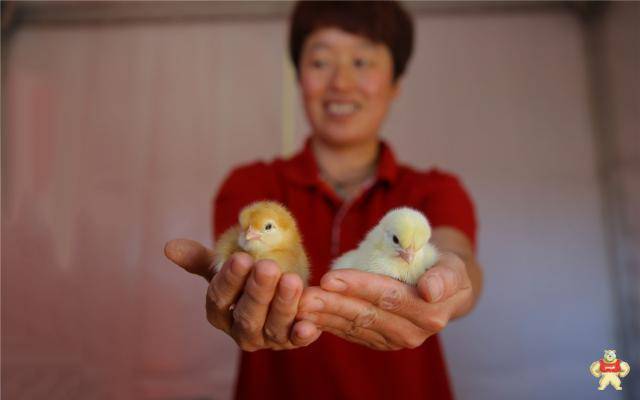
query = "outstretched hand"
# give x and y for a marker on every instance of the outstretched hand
(254, 303)
(384, 314)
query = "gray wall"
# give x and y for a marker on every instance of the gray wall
(616, 62)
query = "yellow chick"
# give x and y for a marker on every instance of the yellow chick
(266, 230)
(398, 247)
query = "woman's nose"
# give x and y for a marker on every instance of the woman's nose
(343, 78)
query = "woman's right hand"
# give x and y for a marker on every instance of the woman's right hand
(254, 303)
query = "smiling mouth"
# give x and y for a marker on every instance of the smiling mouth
(341, 109)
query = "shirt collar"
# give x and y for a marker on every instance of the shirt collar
(302, 168)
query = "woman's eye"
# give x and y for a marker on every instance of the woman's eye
(268, 227)
(317, 63)
(395, 239)
(360, 62)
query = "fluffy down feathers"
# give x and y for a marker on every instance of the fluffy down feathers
(398, 247)
(265, 230)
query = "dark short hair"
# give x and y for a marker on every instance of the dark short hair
(384, 22)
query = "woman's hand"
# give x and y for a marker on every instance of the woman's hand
(384, 314)
(254, 303)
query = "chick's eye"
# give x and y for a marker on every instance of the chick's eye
(395, 239)
(268, 227)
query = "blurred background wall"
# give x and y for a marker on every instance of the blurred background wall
(120, 120)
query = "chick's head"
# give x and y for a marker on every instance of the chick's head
(405, 232)
(266, 225)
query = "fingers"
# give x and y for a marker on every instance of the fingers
(283, 309)
(190, 255)
(356, 315)
(443, 280)
(383, 291)
(390, 295)
(225, 288)
(344, 329)
(250, 312)
(304, 333)
(263, 310)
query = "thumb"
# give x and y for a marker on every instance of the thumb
(444, 279)
(190, 255)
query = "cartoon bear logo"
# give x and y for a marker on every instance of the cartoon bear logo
(609, 369)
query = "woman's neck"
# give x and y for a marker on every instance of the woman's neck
(346, 165)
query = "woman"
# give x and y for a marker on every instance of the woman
(349, 58)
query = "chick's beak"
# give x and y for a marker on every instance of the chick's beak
(407, 254)
(252, 234)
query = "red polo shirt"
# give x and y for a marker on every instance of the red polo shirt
(332, 368)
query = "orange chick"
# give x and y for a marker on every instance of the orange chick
(266, 230)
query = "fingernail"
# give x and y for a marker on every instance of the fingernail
(304, 333)
(239, 269)
(265, 275)
(335, 285)
(314, 305)
(434, 284)
(287, 293)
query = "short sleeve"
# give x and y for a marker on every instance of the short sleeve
(449, 204)
(243, 186)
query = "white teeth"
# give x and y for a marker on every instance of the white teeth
(341, 108)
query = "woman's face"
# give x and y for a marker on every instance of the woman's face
(347, 85)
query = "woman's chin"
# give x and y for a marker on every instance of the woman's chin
(344, 138)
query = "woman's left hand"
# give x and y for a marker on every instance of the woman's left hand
(385, 314)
